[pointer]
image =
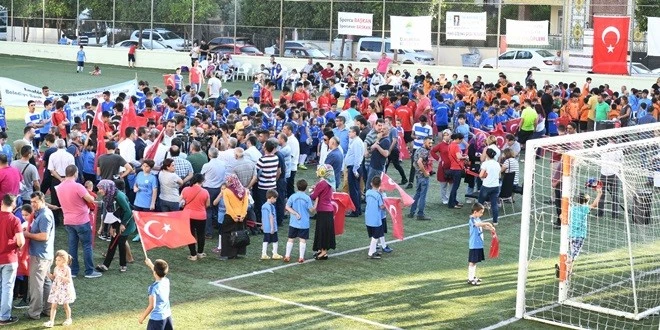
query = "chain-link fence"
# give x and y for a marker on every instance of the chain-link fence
(269, 24)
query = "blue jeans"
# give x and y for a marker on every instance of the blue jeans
(212, 211)
(420, 195)
(354, 189)
(490, 194)
(82, 233)
(456, 176)
(7, 278)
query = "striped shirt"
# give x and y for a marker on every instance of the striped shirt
(512, 166)
(421, 132)
(267, 166)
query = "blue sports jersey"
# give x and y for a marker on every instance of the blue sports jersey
(301, 203)
(3, 118)
(268, 210)
(233, 103)
(372, 214)
(80, 56)
(476, 240)
(256, 90)
(46, 116)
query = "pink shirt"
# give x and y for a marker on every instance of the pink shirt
(323, 192)
(75, 209)
(10, 180)
(195, 198)
(383, 64)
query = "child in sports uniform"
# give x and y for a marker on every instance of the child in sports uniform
(299, 207)
(269, 225)
(158, 310)
(373, 217)
(577, 221)
(476, 242)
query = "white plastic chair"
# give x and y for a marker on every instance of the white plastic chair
(244, 70)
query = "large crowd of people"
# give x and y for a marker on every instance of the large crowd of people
(234, 166)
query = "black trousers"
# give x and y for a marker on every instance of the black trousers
(393, 159)
(611, 184)
(198, 230)
(411, 176)
(117, 241)
(59, 216)
(291, 184)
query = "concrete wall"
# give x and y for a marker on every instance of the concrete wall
(169, 60)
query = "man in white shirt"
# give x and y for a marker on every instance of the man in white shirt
(293, 143)
(609, 178)
(252, 153)
(308, 67)
(214, 86)
(57, 164)
(352, 163)
(228, 155)
(127, 147)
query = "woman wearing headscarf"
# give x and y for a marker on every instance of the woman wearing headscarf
(324, 233)
(236, 199)
(116, 202)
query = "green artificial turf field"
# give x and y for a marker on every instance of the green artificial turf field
(420, 285)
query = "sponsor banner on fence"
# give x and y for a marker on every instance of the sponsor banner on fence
(16, 93)
(411, 32)
(466, 26)
(357, 24)
(526, 32)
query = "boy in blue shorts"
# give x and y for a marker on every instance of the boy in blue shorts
(159, 312)
(269, 225)
(80, 59)
(373, 217)
(299, 207)
(476, 242)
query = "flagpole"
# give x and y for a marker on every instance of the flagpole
(135, 216)
(632, 38)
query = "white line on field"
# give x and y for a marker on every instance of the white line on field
(309, 307)
(501, 324)
(272, 269)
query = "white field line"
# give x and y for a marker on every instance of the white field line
(272, 269)
(501, 324)
(309, 307)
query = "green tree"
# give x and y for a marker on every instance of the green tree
(644, 10)
(180, 12)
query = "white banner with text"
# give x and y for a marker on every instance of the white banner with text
(411, 32)
(526, 32)
(16, 93)
(356, 24)
(465, 26)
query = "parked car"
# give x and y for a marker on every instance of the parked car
(236, 50)
(166, 37)
(369, 49)
(309, 47)
(146, 44)
(301, 52)
(240, 41)
(639, 69)
(526, 59)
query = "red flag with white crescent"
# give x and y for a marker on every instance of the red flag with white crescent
(100, 134)
(170, 229)
(494, 246)
(512, 125)
(168, 80)
(387, 184)
(150, 151)
(500, 134)
(611, 44)
(342, 202)
(394, 208)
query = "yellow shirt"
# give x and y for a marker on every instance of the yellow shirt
(234, 206)
(593, 103)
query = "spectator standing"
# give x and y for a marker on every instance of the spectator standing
(169, 187)
(182, 167)
(420, 131)
(42, 238)
(196, 157)
(335, 159)
(422, 171)
(10, 178)
(11, 240)
(352, 163)
(108, 165)
(379, 151)
(294, 144)
(29, 173)
(214, 176)
(75, 200)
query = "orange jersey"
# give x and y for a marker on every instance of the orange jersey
(584, 112)
(572, 109)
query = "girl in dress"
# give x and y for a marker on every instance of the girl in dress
(61, 291)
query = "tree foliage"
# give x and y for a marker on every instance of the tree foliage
(644, 10)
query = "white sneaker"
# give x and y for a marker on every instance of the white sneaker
(67, 322)
(48, 324)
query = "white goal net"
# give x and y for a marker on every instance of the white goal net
(590, 231)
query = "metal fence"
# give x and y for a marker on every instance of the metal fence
(269, 22)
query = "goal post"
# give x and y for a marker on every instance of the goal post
(584, 264)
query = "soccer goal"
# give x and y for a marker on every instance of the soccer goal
(587, 264)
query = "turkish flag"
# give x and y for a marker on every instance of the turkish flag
(494, 246)
(404, 153)
(100, 134)
(387, 184)
(150, 151)
(170, 229)
(131, 119)
(23, 252)
(393, 205)
(342, 203)
(512, 125)
(611, 44)
(168, 80)
(501, 136)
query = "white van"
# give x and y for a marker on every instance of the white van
(370, 48)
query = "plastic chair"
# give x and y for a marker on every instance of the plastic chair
(506, 190)
(244, 70)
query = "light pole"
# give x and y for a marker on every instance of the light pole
(382, 34)
(192, 28)
(113, 21)
(151, 33)
(281, 47)
(43, 21)
(235, 18)
(499, 29)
